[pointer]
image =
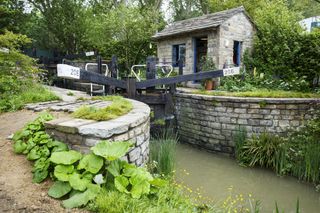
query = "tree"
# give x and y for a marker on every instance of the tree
(12, 16)
(63, 23)
(184, 9)
(125, 32)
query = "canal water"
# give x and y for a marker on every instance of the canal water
(216, 175)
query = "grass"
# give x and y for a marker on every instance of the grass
(70, 94)
(163, 152)
(119, 107)
(260, 93)
(32, 94)
(168, 199)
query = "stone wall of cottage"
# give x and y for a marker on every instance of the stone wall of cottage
(237, 28)
(220, 42)
(211, 121)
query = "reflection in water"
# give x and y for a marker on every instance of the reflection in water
(216, 173)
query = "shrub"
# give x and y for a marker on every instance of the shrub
(19, 75)
(260, 150)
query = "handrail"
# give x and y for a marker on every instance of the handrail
(157, 65)
(107, 69)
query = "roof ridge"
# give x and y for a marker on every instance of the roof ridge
(238, 9)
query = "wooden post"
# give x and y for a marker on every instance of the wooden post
(151, 67)
(99, 62)
(151, 70)
(131, 87)
(180, 64)
(114, 67)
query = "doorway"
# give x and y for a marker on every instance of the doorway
(200, 52)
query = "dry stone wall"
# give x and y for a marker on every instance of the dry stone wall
(82, 134)
(212, 121)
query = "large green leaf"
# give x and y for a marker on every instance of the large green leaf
(80, 182)
(65, 157)
(115, 167)
(139, 187)
(39, 175)
(111, 151)
(63, 172)
(59, 189)
(19, 146)
(91, 163)
(158, 182)
(20, 135)
(121, 183)
(139, 172)
(81, 199)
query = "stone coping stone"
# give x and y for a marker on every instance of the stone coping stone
(103, 129)
(249, 99)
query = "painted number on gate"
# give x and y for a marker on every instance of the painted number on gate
(231, 71)
(67, 71)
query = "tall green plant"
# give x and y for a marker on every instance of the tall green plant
(239, 139)
(261, 150)
(163, 152)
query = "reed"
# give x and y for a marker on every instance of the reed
(163, 152)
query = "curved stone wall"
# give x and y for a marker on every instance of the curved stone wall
(81, 134)
(211, 121)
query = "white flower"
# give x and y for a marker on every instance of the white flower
(98, 179)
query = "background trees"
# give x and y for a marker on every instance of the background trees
(124, 28)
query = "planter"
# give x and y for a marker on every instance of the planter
(209, 84)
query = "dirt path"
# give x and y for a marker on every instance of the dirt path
(17, 192)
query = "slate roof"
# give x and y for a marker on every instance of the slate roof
(198, 23)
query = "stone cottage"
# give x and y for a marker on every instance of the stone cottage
(222, 36)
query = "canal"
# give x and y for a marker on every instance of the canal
(216, 174)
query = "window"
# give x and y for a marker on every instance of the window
(178, 53)
(315, 24)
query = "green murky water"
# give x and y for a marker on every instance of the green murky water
(214, 174)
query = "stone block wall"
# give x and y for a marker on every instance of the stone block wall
(237, 28)
(212, 121)
(82, 134)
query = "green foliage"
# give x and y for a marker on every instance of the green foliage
(260, 150)
(239, 139)
(126, 32)
(63, 172)
(59, 189)
(260, 93)
(111, 150)
(91, 163)
(65, 157)
(306, 61)
(37, 145)
(81, 199)
(168, 199)
(118, 107)
(18, 76)
(75, 174)
(162, 153)
(296, 154)
(60, 24)
(12, 16)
